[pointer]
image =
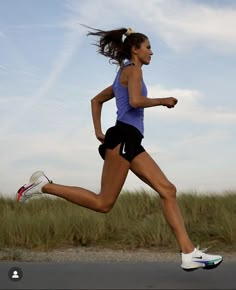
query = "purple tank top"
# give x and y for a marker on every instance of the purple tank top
(125, 112)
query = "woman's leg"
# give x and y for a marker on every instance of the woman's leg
(115, 170)
(147, 170)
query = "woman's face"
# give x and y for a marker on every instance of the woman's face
(144, 52)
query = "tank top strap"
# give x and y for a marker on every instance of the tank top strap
(127, 63)
(117, 78)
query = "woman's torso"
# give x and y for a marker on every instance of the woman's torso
(125, 112)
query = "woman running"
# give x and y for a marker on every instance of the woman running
(121, 146)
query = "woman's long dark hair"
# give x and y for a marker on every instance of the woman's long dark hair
(112, 45)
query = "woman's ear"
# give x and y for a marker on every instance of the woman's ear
(134, 50)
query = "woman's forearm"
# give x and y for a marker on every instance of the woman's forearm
(96, 108)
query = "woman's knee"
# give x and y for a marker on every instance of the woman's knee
(104, 206)
(169, 191)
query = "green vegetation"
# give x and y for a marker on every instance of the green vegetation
(136, 221)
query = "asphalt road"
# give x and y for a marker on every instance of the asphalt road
(115, 275)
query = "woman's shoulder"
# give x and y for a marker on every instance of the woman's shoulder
(130, 66)
(130, 72)
(133, 70)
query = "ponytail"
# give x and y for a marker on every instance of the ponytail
(112, 45)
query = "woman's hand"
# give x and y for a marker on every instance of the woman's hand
(169, 102)
(100, 136)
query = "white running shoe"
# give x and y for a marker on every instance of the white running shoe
(36, 182)
(198, 259)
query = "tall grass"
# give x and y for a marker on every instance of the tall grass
(135, 221)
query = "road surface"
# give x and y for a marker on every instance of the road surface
(115, 275)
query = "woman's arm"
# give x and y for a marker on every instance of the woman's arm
(135, 95)
(96, 107)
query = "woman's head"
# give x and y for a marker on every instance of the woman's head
(118, 44)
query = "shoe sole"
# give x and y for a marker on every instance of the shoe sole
(24, 197)
(209, 267)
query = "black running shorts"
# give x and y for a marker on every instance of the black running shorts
(128, 136)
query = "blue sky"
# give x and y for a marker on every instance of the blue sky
(49, 71)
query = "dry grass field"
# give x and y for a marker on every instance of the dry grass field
(136, 221)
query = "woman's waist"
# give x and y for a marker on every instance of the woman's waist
(127, 125)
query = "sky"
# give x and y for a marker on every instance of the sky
(50, 70)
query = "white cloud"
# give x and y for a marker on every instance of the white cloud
(189, 107)
(209, 137)
(68, 159)
(184, 24)
(180, 24)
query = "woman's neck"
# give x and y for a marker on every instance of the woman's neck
(136, 61)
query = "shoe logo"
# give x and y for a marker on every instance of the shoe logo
(200, 257)
(123, 149)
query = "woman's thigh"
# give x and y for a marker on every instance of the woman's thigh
(147, 170)
(115, 171)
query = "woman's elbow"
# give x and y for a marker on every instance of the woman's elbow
(94, 100)
(135, 104)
